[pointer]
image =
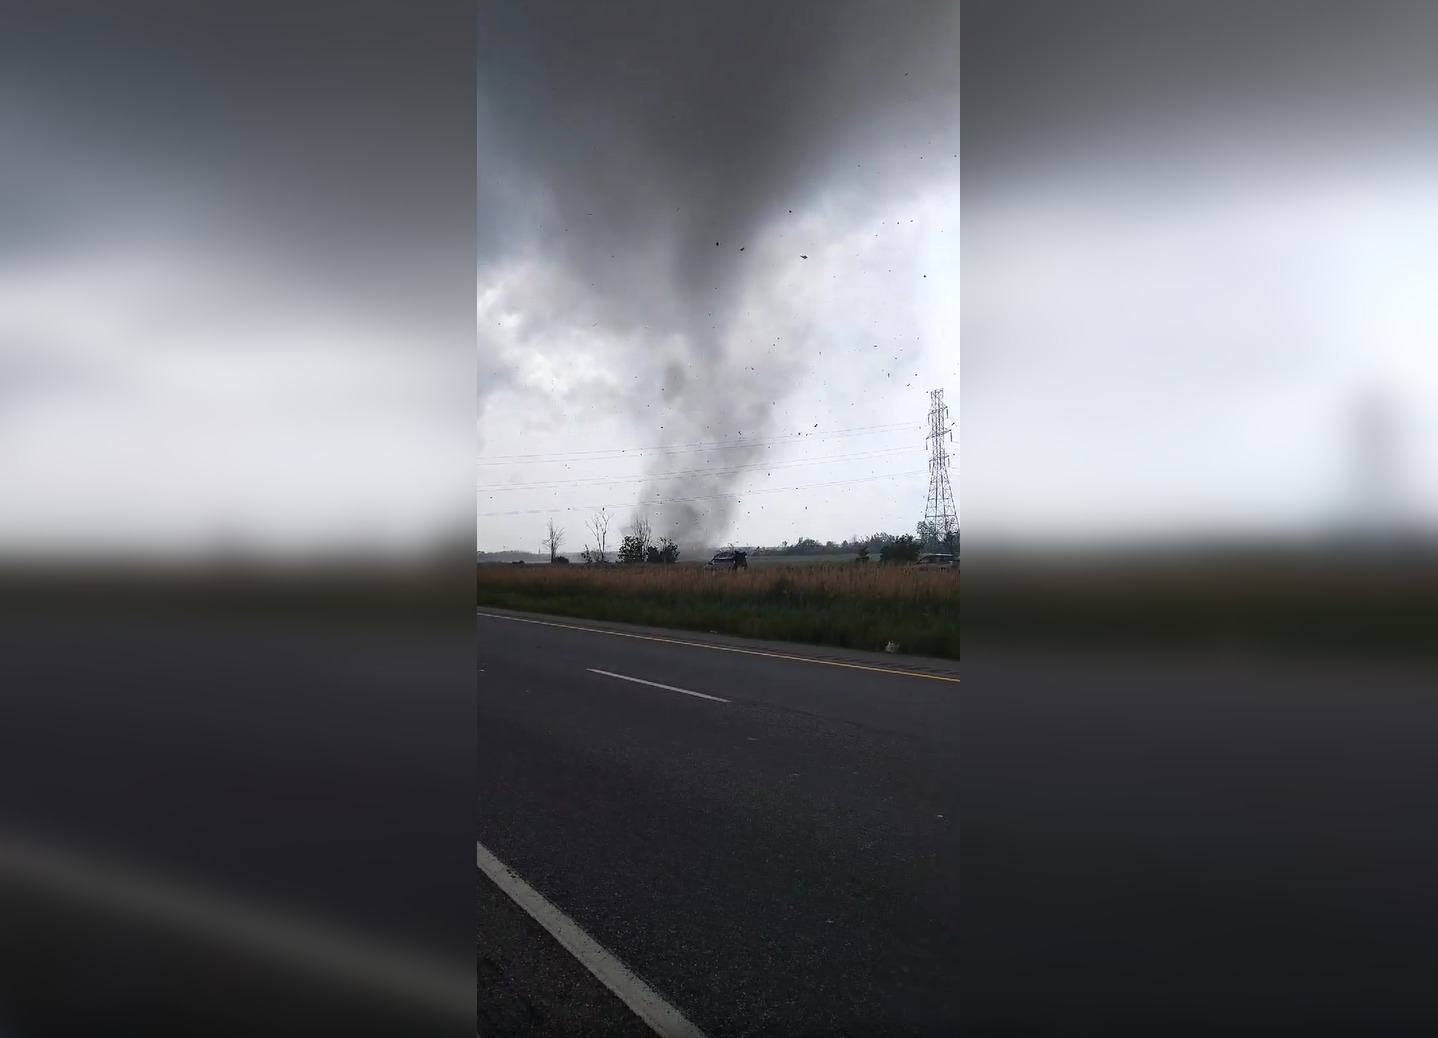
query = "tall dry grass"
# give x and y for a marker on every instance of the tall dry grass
(862, 606)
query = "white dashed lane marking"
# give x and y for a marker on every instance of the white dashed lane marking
(655, 684)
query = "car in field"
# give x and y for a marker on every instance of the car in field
(727, 559)
(938, 560)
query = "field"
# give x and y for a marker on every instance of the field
(802, 560)
(1333, 601)
(858, 606)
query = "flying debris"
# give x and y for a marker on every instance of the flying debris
(780, 129)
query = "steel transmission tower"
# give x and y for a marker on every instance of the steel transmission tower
(941, 518)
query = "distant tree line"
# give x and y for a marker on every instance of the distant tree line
(889, 547)
(638, 544)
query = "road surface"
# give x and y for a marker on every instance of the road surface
(771, 843)
(222, 825)
(1198, 843)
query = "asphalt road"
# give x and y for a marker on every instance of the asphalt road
(782, 863)
(1205, 843)
(1154, 844)
(318, 773)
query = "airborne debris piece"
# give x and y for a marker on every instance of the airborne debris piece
(803, 257)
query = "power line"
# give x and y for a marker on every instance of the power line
(693, 448)
(708, 497)
(581, 481)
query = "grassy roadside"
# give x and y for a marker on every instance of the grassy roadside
(845, 604)
(407, 596)
(1318, 605)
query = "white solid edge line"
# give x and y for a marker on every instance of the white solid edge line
(649, 1005)
(235, 924)
(725, 648)
(641, 681)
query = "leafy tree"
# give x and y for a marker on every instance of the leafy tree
(905, 548)
(631, 549)
(803, 546)
(937, 539)
(665, 551)
(863, 553)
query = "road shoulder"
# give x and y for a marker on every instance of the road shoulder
(933, 666)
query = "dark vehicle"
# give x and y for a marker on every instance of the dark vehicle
(938, 560)
(728, 560)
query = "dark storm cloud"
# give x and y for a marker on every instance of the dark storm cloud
(208, 201)
(641, 146)
(1046, 78)
(323, 131)
(699, 121)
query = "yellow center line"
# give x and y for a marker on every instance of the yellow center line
(726, 648)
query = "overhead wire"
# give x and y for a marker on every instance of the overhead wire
(581, 481)
(708, 497)
(696, 447)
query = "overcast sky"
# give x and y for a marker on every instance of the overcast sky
(719, 256)
(236, 281)
(1200, 262)
(718, 272)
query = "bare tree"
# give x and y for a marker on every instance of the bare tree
(640, 528)
(553, 539)
(599, 526)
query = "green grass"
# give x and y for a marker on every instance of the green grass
(843, 604)
(1328, 606)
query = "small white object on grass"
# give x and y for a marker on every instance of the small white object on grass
(892, 647)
